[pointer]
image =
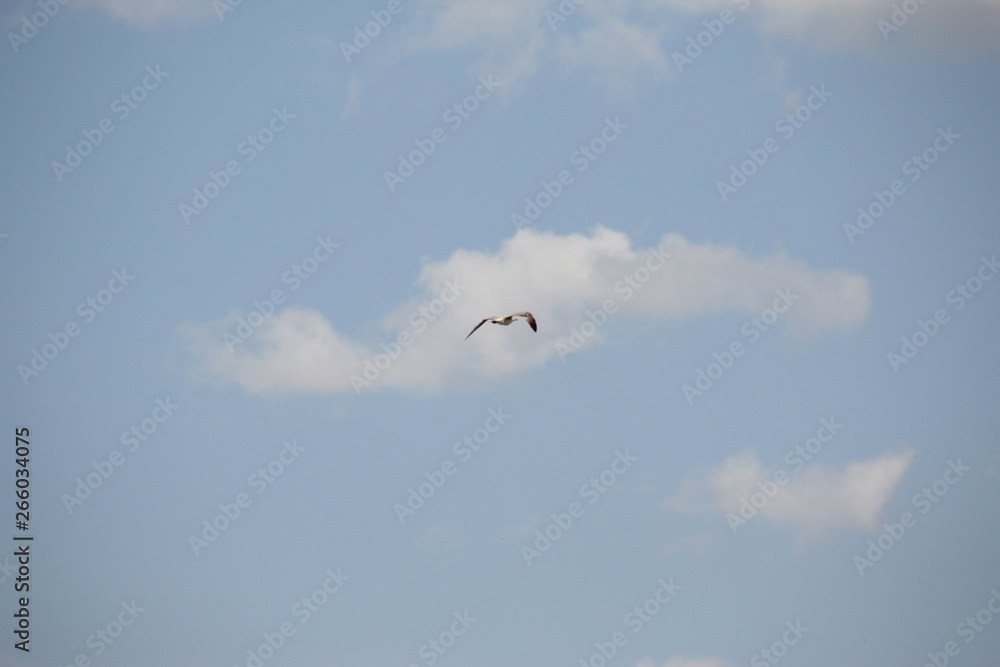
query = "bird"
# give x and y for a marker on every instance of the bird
(507, 320)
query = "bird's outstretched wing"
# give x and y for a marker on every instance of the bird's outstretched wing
(531, 320)
(477, 326)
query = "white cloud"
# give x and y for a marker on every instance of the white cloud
(615, 41)
(559, 278)
(295, 351)
(677, 661)
(817, 500)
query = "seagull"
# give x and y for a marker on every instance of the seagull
(506, 321)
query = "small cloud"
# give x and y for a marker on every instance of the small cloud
(815, 501)
(822, 499)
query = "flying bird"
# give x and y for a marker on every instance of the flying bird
(506, 321)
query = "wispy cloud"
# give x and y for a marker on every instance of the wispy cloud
(613, 42)
(150, 13)
(557, 277)
(617, 42)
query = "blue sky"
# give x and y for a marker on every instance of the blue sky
(242, 245)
